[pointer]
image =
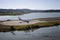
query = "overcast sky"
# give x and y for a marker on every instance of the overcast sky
(30, 4)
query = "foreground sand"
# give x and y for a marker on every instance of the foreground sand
(18, 23)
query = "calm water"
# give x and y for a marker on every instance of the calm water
(31, 16)
(50, 33)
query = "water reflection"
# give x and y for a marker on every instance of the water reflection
(13, 33)
(29, 29)
(46, 33)
(26, 31)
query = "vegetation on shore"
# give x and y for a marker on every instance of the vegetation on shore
(4, 28)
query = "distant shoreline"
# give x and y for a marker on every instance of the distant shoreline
(24, 11)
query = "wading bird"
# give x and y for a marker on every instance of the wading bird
(23, 20)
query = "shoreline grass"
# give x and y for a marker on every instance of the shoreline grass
(30, 26)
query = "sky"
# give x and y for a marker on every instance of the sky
(30, 4)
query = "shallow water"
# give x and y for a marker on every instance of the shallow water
(31, 16)
(48, 33)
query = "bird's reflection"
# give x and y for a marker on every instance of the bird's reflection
(13, 33)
